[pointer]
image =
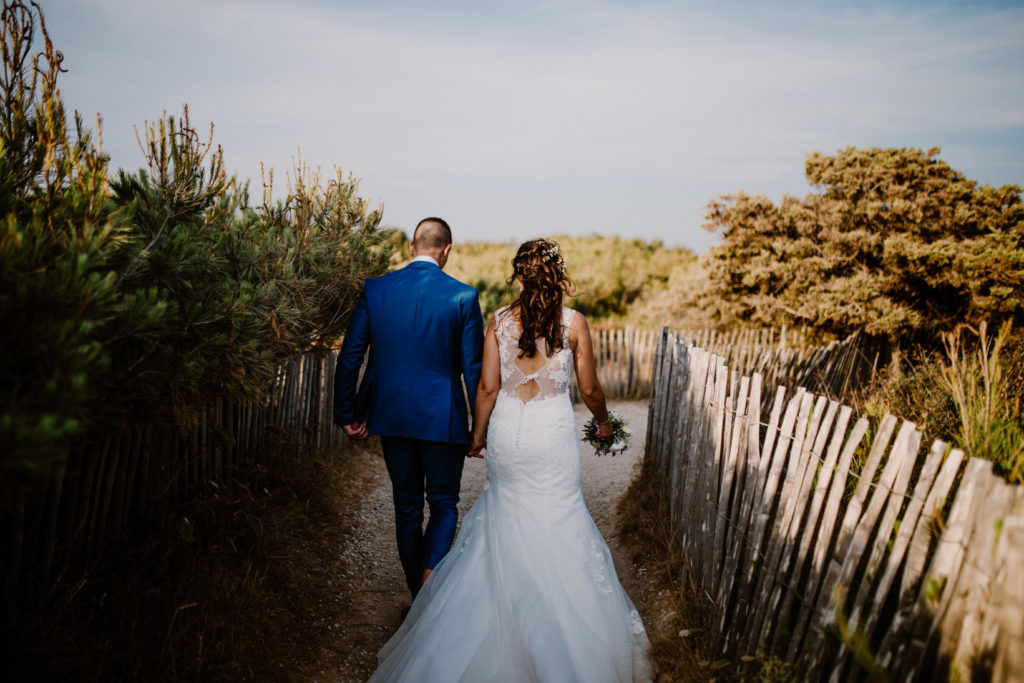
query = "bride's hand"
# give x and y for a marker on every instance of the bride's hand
(604, 431)
(475, 448)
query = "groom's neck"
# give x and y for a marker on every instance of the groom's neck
(426, 257)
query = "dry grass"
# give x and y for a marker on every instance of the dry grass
(209, 594)
(985, 385)
(969, 394)
(677, 617)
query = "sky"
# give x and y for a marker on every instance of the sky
(527, 118)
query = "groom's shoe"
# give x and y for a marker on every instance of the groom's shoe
(405, 610)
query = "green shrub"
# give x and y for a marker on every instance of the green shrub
(893, 243)
(145, 297)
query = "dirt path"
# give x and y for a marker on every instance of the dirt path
(352, 561)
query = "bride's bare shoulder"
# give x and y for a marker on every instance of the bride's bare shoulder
(504, 319)
(577, 326)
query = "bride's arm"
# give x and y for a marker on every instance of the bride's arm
(586, 374)
(486, 392)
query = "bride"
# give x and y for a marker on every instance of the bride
(528, 592)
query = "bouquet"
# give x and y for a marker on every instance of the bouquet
(617, 443)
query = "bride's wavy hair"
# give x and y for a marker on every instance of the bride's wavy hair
(540, 269)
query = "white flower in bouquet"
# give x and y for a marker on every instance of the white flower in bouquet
(618, 442)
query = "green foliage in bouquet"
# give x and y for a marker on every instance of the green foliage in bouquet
(619, 440)
(147, 295)
(894, 242)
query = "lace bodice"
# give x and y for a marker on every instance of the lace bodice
(553, 371)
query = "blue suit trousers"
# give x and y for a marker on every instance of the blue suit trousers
(417, 466)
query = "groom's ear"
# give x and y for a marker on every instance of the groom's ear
(442, 257)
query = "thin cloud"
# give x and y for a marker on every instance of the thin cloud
(588, 117)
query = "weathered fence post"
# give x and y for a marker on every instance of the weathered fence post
(774, 533)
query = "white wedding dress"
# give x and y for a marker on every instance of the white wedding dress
(528, 592)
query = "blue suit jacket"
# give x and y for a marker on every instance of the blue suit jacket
(424, 331)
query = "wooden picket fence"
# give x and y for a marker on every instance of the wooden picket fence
(111, 480)
(804, 527)
(793, 359)
(625, 358)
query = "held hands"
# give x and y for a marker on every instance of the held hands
(357, 431)
(475, 448)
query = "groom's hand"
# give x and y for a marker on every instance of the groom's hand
(475, 449)
(356, 431)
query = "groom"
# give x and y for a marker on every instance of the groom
(425, 334)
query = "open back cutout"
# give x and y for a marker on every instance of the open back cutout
(527, 390)
(539, 376)
(530, 366)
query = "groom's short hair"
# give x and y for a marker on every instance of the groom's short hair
(432, 233)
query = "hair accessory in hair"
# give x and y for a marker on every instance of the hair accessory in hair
(549, 254)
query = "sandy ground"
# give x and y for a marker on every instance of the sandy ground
(366, 608)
